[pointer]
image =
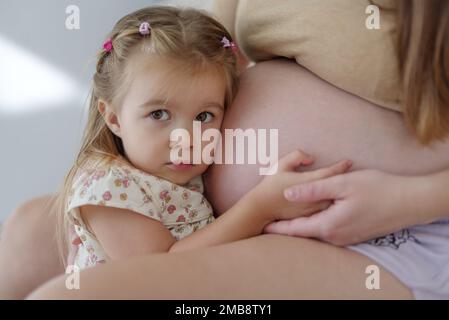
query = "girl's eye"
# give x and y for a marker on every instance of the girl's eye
(205, 117)
(160, 115)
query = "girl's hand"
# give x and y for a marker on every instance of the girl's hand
(366, 204)
(268, 195)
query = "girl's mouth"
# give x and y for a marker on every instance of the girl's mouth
(181, 166)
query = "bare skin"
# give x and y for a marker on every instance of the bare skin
(28, 252)
(255, 268)
(329, 124)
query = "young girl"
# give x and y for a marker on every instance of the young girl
(161, 69)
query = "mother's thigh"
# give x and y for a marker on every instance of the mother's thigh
(321, 119)
(263, 267)
(28, 254)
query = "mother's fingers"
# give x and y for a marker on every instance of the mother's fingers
(307, 227)
(315, 207)
(324, 189)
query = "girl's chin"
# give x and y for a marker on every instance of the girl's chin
(179, 177)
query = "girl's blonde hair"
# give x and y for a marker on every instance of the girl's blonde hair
(184, 34)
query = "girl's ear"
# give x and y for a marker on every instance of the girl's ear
(109, 116)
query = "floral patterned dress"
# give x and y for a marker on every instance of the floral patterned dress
(182, 209)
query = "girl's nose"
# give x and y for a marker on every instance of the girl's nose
(179, 144)
(187, 137)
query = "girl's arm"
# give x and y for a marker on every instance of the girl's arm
(123, 233)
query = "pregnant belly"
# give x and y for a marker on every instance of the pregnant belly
(322, 120)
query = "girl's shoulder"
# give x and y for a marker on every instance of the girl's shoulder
(110, 169)
(118, 173)
(114, 183)
(99, 179)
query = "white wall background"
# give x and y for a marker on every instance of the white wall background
(45, 72)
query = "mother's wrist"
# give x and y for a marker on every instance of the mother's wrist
(420, 199)
(434, 196)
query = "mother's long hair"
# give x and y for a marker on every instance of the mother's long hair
(423, 53)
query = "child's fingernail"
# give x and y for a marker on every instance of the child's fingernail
(308, 160)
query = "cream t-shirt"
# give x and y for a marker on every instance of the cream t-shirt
(330, 38)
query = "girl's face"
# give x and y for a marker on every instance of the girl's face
(163, 97)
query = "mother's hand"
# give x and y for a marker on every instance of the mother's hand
(367, 204)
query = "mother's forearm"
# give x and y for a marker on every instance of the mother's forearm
(431, 196)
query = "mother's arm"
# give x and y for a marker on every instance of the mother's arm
(367, 204)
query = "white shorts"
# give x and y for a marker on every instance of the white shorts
(417, 256)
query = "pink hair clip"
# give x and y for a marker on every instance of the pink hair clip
(230, 44)
(107, 46)
(144, 28)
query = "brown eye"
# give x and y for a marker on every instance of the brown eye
(205, 117)
(160, 115)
